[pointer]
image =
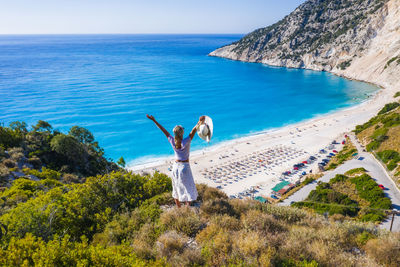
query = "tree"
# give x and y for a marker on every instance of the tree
(69, 147)
(9, 137)
(42, 126)
(19, 126)
(81, 134)
(121, 162)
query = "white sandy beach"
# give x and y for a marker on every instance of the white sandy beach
(259, 160)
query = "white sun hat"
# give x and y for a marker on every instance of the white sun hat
(205, 130)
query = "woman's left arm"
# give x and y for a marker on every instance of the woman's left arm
(194, 130)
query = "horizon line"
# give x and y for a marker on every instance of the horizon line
(117, 33)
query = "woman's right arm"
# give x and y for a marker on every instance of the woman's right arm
(158, 125)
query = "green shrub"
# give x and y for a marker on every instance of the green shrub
(10, 138)
(387, 155)
(371, 122)
(368, 189)
(33, 251)
(325, 199)
(388, 107)
(372, 217)
(344, 65)
(391, 120)
(392, 165)
(44, 174)
(373, 145)
(83, 209)
(397, 94)
(308, 180)
(393, 59)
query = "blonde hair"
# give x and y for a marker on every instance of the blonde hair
(178, 132)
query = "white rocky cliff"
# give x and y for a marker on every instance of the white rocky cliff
(358, 39)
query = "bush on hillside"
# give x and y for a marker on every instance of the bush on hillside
(385, 249)
(388, 107)
(183, 220)
(206, 193)
(83, 209)
(326, 199)
(368, 189)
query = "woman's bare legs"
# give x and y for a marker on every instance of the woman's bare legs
(178, 203)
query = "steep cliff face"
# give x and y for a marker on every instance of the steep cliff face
(358, 39)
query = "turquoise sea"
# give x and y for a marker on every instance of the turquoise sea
(107, 83)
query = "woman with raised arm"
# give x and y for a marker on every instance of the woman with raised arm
(183, 187)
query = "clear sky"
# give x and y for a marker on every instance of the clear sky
(140, 16)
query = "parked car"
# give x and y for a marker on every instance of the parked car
(381, 186)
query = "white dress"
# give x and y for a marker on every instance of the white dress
(183, 186)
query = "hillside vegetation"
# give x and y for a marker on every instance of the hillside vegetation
(69, 156)
(381, 135)
(55, 213)
(356, 197)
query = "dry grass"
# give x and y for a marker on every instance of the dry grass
(183, 220)
(226, 222)
(170, 243)
(206, 193)
(385, 249)
(393, 142)
(256, 220)
(364, 136)
(213, 207)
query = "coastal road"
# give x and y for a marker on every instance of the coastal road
(375, 170)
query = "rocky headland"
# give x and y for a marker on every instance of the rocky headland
(357, 39)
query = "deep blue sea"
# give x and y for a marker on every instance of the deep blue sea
(107, 83)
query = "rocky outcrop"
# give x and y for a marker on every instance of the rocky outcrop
(358, 39)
